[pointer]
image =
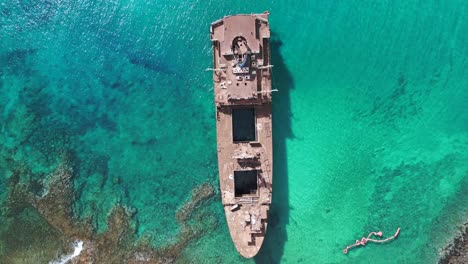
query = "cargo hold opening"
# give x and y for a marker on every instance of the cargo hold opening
(245, 183)
(243, 125)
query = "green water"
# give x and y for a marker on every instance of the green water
(370, 121)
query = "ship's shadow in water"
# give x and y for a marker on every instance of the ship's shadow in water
(273, 246)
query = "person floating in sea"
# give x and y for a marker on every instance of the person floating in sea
(364, 240)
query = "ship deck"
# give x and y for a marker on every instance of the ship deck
(242, 80)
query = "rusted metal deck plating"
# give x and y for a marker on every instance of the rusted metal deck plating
(242, 85)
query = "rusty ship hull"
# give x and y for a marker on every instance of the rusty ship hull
(242, 87)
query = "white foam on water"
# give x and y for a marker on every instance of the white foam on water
(78, 247)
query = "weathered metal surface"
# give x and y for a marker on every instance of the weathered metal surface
(242, 78)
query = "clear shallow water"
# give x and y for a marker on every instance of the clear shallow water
(370, 121)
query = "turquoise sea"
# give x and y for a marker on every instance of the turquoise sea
(109, 102)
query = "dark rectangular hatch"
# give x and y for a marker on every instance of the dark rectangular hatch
(243, 125)
(245, 183)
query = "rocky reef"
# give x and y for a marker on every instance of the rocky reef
(56, 225)
(456, 252)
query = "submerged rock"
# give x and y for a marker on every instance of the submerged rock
(199, 194)
(456, 252)
(56, 204)
(118, 244)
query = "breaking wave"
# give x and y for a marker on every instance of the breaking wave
(78, 247)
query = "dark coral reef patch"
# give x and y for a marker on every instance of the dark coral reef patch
(41, 228)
